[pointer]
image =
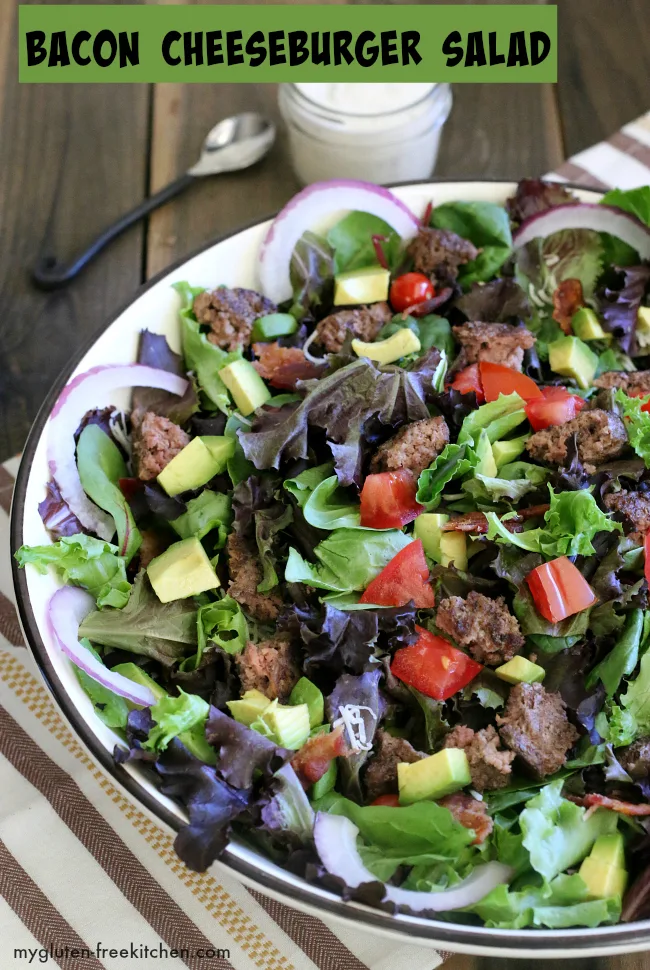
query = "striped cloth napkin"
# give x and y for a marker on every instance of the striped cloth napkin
(84, 871)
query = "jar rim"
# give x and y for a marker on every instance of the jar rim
(301, 96)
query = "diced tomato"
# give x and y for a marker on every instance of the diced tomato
(312, 760)
(469, 380)
(559, 589)
(557, 406)
(434, 666)
(282, 367)
(646, 406)
(405, 578)
(392, 801)
(497, 379)
(388, 500)
(410, 289)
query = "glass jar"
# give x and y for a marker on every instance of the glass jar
(381, 133)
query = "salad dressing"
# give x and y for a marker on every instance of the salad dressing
(381, 133)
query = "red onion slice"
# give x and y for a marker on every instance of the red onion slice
(65, 611)
(586, 215)
(315, 203)
(73, 402)
(336, 843)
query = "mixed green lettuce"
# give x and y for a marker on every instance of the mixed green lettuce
(348, 559)
(570, 525)
(84, 561)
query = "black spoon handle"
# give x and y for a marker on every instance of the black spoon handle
(49, 275)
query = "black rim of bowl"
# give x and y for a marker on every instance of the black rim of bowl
(452, 935)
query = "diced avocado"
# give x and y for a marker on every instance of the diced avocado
(602, 881)
(306, 692)
(190, 468)
(603, 871)
(519, 670)
(586, 325)
(486, 463)
(182, 570)
(643, 326)
(610, 850)
(194, 740)
(453, 548)
(387, 351)
(368, 285)
(438, 775)
(221, 448)
(571, 357)
(428, 528)
(287, 726)
(249, 708)
(247, 388)
(273, 325)
(506, 451)
(140, 676)
(326, 783)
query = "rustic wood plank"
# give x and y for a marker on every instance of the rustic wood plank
(604, 65)
(72, 159)
(183, 114)
(501, 131)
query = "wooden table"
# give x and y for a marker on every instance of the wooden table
(73, 158)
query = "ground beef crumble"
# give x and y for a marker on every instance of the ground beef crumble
(156, 440)
(534, 725)
(381, 773)
(245, 576)
(270, 667)
(600, 437)
(230, 314)
(440, 253)
(634, 384)
(634, 506)
(363, 323)
(485, 626)
(153, 544)
(414, 446)
(489, 764)
(496, 343)
(636, 759)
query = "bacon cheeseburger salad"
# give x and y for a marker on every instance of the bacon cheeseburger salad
(362, 576)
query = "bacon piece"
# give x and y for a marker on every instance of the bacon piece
(477, 523)
(471, 813)
(567, 299)
(312, 760)
(282, 367)
(595, 801)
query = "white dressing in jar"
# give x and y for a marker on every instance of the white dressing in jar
(377, 132)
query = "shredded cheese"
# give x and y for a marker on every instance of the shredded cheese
(355, 726)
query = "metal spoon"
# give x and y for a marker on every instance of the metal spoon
(234, 143)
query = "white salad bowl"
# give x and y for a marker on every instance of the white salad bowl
(233, 261)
